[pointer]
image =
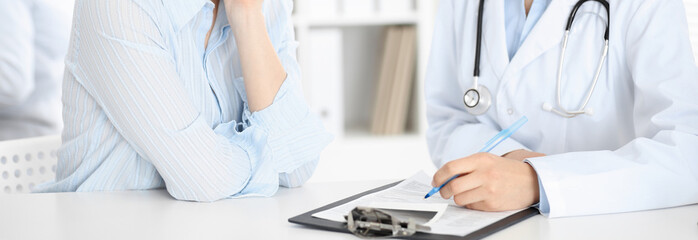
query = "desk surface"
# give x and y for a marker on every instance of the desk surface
(155, 215)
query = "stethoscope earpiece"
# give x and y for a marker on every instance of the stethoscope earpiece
(589, 112)
(547, 107)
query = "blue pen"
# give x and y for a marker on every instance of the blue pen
(492, 143)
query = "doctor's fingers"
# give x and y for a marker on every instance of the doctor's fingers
(462, 184)
(459, 167)
(471, 197)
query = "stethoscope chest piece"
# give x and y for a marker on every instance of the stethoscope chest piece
(477, 100)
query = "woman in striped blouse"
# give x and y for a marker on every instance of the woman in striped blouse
(201, 97)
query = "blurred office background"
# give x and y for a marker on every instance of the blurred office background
(364, 63)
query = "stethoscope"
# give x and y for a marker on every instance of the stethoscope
(478, 99)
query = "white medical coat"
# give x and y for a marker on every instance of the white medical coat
(638, 151)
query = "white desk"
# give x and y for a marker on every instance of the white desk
(155, 215)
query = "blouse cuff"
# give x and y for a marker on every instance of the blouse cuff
(283, 114)
(286, 121)
(263, 180)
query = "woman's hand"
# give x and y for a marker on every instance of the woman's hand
(489, 183)
(262, 71)
(244, 14)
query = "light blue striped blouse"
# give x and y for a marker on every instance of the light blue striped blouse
(146, 105)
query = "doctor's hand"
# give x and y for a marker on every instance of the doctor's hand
(522, 154)
(489, 183)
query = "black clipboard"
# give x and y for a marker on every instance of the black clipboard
(307, 219)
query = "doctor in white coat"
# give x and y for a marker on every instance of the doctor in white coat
(636, 148)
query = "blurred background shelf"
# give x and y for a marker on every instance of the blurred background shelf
(341, 47)
(340, 53)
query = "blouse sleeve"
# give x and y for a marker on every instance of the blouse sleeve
(125, 66)
(295, 135)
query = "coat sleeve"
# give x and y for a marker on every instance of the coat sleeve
(659, 168)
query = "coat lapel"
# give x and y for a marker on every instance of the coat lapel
(546, 34)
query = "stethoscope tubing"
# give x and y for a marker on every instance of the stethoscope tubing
(478, 44)
(582, 109)
(560, 110)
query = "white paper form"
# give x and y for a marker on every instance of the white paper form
(455, 220)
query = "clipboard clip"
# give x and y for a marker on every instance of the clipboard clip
(367, 222)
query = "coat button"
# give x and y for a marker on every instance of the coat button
(510, 111)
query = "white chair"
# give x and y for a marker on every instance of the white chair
(24, 163)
